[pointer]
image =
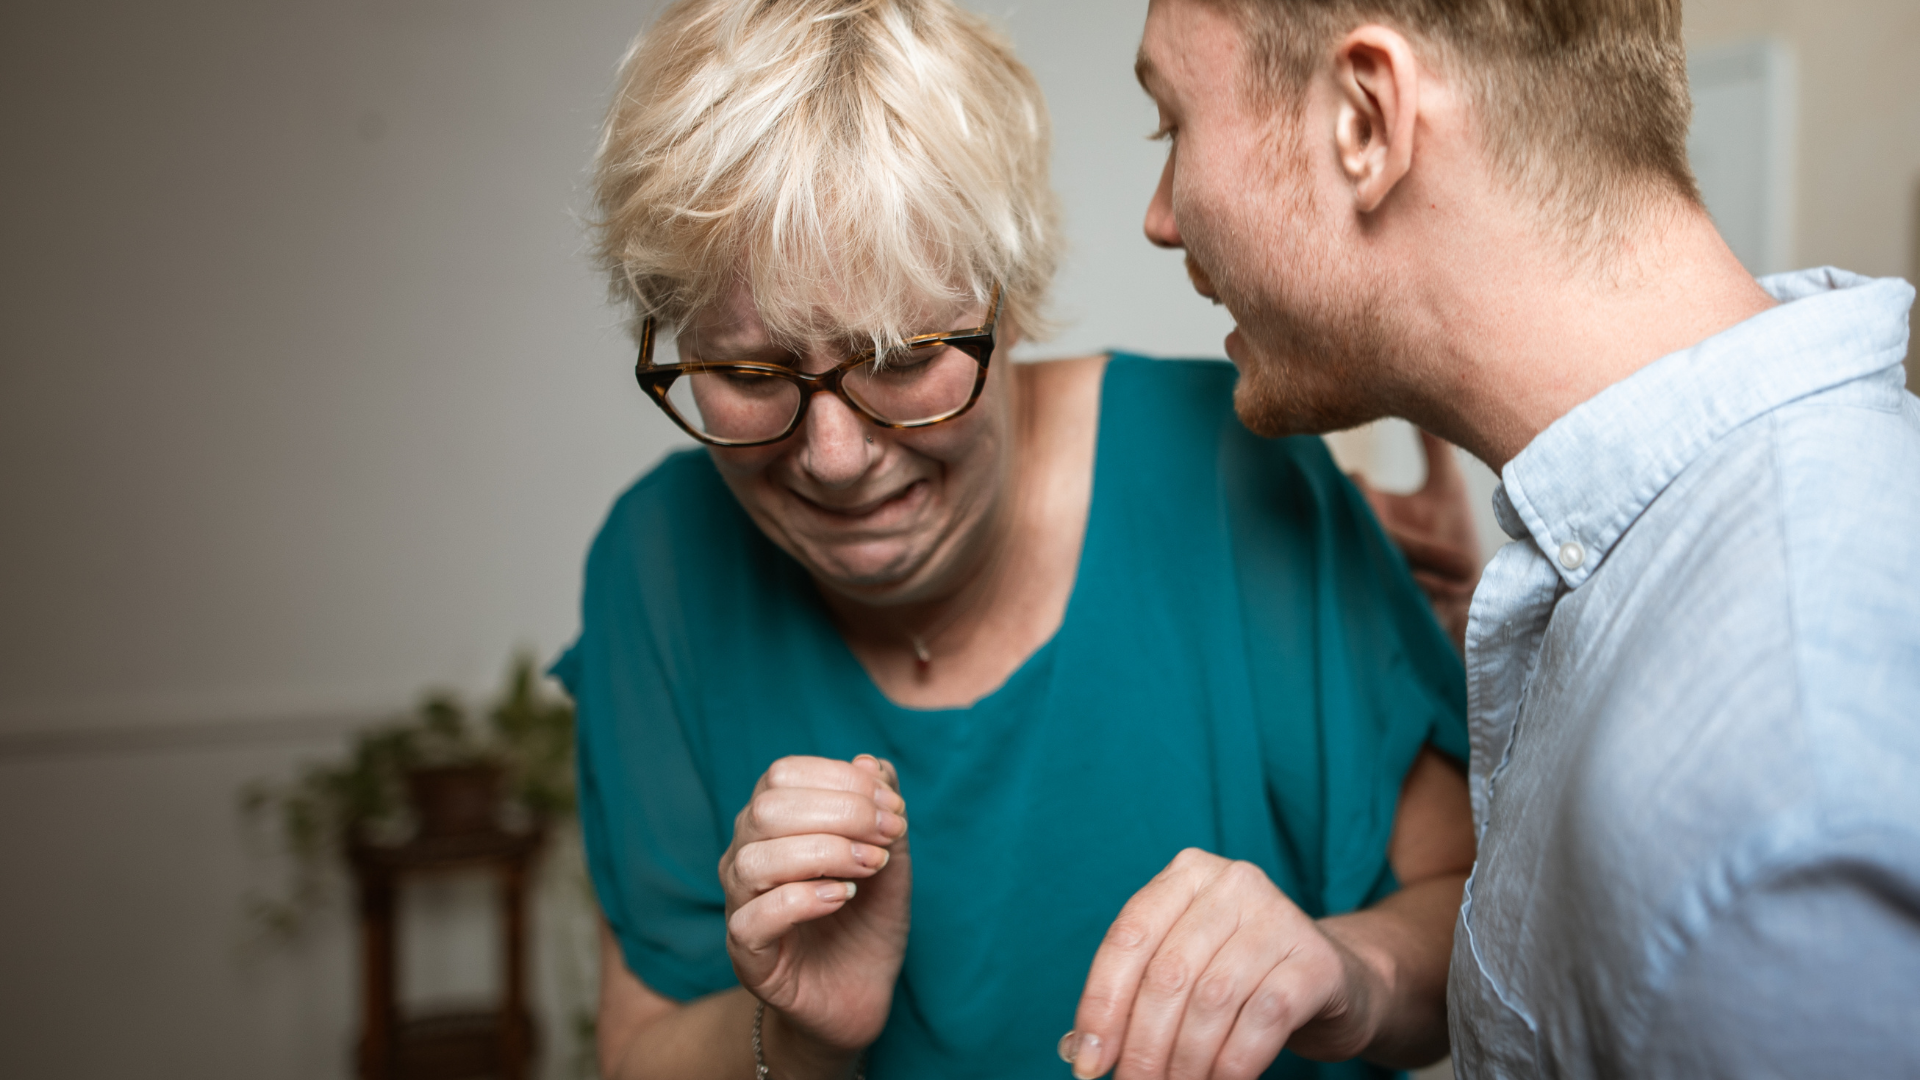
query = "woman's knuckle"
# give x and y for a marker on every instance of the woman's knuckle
(752, 867)
(1242, 875)
(1138, 1060)
(1215, 991)
(1102, 1002)
(828, 851)
(738, 924)
(1236, 1063)
(1269, 1007)
(1167, 976)
(1128, 934)
(763, 811)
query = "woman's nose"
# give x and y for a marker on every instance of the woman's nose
(836, 453)
(1161, 228)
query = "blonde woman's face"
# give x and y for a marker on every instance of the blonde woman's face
(877, 515)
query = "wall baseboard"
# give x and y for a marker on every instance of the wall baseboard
(163, 738)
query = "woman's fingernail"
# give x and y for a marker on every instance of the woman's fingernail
(1068, 1043)
(1086, 1063)
(869, 856)
(868, 760)
(834, 891)
(890, 824)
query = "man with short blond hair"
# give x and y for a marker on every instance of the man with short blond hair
(1694, 676)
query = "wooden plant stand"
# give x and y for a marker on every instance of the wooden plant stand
(492, 1043)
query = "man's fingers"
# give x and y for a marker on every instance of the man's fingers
(766, 865)
(1443, 586)
(754, 929)
(1443, 469)
(1100, 1023)
(780, 811)
(1428, 555)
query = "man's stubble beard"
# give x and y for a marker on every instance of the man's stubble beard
(1314, 360)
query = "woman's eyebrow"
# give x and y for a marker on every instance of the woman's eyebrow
(763, 353)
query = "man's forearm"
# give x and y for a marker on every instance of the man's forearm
(1404, 943)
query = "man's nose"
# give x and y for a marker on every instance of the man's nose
(836, 452)
(1161, 228)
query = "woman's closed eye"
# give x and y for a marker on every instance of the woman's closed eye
(908, 363)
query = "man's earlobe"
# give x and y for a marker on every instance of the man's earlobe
(1378, 84)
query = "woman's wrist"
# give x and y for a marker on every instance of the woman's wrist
(783, 1051)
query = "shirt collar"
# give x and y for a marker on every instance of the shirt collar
(1579, 484)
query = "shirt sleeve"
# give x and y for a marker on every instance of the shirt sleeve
(1812, 974)
(653, 835)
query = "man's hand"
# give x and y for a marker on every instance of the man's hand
(1433, 528)
(1208, 972)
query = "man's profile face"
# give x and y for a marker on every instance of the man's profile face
(1242, 194)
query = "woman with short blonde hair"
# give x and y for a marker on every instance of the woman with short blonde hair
(854, 164)
(890, 580)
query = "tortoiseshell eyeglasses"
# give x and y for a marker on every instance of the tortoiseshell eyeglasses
(929, 379)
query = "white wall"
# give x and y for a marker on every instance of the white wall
(307, 399)
(1856, 170)
(309, 394)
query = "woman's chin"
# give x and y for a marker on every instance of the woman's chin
(868, 571)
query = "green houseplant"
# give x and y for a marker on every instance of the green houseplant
(436, 770)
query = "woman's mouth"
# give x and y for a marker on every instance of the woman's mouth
(872, 511)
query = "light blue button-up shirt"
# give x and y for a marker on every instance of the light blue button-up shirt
(1694, 682)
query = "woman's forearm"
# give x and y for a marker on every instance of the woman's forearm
(707, 1037)
(711, 1038)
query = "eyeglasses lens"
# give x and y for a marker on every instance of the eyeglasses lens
(915, 385)
(734, 406)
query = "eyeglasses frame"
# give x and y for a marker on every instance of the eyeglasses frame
(658, 379)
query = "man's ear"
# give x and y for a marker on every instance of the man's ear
(1378, 83)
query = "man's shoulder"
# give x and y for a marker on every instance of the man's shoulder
(1754, 641)
(1828, 491)
(1798, 530)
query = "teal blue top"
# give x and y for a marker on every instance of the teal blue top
(1245, 666)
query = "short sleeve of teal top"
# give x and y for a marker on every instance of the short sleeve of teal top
(1245, 666)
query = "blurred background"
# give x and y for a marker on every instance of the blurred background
(309, 401)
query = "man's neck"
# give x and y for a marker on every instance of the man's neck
(1518, 331)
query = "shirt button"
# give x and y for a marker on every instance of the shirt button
(1572, 555)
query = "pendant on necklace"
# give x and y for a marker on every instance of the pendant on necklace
(920, 652)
